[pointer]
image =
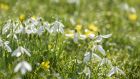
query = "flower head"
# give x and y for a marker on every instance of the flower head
(45, 65)
(23, 67)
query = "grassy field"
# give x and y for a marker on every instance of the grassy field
(69, 39)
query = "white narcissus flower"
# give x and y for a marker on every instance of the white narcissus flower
(115, 70)
(20, 50)
(23, 67)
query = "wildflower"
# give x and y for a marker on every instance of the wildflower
(4, 6)
(100, 37)
(45, 65)
(23, 67)
(115, 70)
(87, 57)
(78, 27)
(57, 27)
(5, 45)
(75, 39)
(87, 72)
(92, 27)
(7, 27)
(22, 18)
(20, 50)
(100, 48)
(132, 17)
(105, 61)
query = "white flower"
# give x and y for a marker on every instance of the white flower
(7, 27)
(23, 67)
(115, 70)
(7, 47)
(100, 37)
(105, 61)
(91, 36)
(75, 39)
(20, 50)
(57, 27)
(87, 72)
(96, 56)
(87, 57)
(100, 49)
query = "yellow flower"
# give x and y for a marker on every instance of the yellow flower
(132, 17)
(45, 65)
(22, 17)
(4, 6)
(78, 27)
(92, 27)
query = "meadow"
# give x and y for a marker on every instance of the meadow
(69, 39)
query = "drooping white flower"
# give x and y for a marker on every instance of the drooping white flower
(20, 50)
(87, 57)
(87, 72)
(23, 67)
(57, 27)
(7, 27)
(105, 61)
(5, 45)
(95, 56)
(99, 38)
(100, 49)
(75, 39)
(115, 70)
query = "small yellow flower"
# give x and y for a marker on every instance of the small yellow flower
(92, 27)
(45, 65)
(22, 17)
(132, 17)
(78, 27)
(4, 6)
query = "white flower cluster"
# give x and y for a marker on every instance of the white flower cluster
(92, 55)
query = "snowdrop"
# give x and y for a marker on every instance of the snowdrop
(105, 61)
(87, 72)
(75, 39)
(23, 67)
(20, 50)
(7, 27)
(87, 57)
(115, 70)
(5, 45)
(57, 27)
(99, 38)
(100, 49)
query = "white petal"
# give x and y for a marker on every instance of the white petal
(100, 48)
(112, 71)
(23, 70)
(27, 66)
(106, 36)
(8, 48)
(97, 56)
(122, 72)
(87, 57)
(18, 66)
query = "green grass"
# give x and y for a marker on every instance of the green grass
(122, 48)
